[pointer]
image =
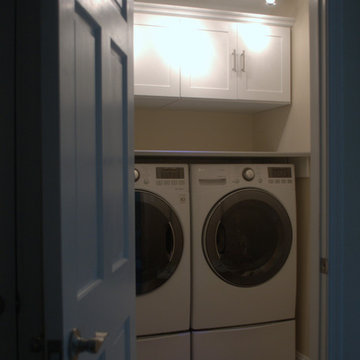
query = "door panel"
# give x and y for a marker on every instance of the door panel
(94, 209)
(115, 179)
(88, 151)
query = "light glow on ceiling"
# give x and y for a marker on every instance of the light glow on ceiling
(271, 2)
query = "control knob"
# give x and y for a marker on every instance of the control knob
(136, 174)
(248, 174)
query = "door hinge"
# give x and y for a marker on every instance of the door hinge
(324, 265)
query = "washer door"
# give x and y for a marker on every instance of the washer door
(159, 241)
(247, 237)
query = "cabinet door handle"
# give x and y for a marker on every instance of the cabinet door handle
(243, 61)
(234, 60)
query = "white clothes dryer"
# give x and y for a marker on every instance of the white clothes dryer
(164, 347)
(243, 244)
(162, 220)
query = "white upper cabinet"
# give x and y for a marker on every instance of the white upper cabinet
(156, 55)
(189, 56)
(208, 61)
(264, 62)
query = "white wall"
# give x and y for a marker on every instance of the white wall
(192, 130)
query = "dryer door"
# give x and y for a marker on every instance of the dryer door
(159, 241)
(247, 237)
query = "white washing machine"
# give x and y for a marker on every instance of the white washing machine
(164, 347)
(162, 217)
(243, 244)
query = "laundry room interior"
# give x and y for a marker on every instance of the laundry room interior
(220, 129)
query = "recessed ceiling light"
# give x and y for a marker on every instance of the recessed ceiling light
(270, 2)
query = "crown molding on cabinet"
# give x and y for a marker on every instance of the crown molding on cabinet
(211, 14)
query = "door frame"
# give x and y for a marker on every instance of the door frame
(29, 271)
(318, 298)
(319, 200)
(8, 311)
(329, 26)
(342, 174)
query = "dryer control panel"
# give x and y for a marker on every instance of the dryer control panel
(280, 175)
(243, 174)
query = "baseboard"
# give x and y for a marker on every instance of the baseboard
(300, 356)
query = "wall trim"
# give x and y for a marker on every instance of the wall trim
(300, 356)
(211, 14)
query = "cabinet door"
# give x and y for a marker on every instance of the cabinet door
(208, 64)
(156, 55)
(264, 63)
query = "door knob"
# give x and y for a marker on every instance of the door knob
(79, 344)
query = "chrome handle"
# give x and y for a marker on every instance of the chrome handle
(234, 60)
(79, 344)
(243, 66)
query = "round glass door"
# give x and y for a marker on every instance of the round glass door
(159, 241)
(247, 237)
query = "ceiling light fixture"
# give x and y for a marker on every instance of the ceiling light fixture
(271, 2)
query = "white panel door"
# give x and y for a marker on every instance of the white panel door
(264, 62)
(89, 261)
(208, 63)
(156, 55)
